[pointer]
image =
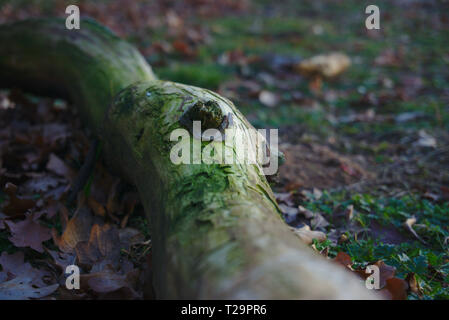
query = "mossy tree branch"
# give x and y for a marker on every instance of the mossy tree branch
(216, 229)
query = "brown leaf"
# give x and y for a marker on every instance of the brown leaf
(56, 165)
(344, 259)
(129, 237)
(62, 259)
(41, 184)
(77, 230)
(14, 266)
(106, 282)
(395, 289)
(21, 288)
(16, 206)
(413, 284)
(111, 285)
(103, 246)
(28, 233)
(386, 272)
(328, 66)
(307, 235)
(96, 207)
(318, 221)
(14, 263)
(183, 48)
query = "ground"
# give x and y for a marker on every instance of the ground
(366, 151)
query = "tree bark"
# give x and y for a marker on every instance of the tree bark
(216, 229)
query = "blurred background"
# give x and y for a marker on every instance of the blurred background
(367, 148)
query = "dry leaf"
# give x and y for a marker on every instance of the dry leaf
(326, 65)
(77, 230)
(16, 206)
(129, 237)
(22, 289)
(395, 289)
(103, 246)
(386, 272)
(307, 235)
(344, 259)
(306, 212)
(408, 224)
(318, 221)
(28, 233)
(288, 212)
(56, 165)
(96, 207)
(349, 212)
(268, 98)
(413, 284)
(14, 266)
(62, 259)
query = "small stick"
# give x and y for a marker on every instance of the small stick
(85, 172)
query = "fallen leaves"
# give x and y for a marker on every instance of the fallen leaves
(425, 140)
(344, 259)
(35, 175)
(390, 287)
(395, 289)
(307, 235)
(16, 205)
(28, 233)
(269, 99)
(103, 246)
(77, 230)
(22, 289)
(56, 165)
(325, 65)
(21, 281)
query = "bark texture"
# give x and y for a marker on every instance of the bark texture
(216, 229)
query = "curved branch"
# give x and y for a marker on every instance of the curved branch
(217, 231)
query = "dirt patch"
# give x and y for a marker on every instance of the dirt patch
(312, 165)
(387, 234)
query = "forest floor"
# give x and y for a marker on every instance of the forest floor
(367, 153)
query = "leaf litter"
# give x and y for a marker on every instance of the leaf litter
(100, 234)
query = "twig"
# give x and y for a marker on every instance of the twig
(85, 172)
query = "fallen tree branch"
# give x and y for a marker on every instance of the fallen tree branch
(216, 229)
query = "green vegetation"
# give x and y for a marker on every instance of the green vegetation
(429, 262)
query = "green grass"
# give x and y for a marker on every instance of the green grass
(429, 262)
(208, 76)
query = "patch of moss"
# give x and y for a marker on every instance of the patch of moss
(208, 76)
